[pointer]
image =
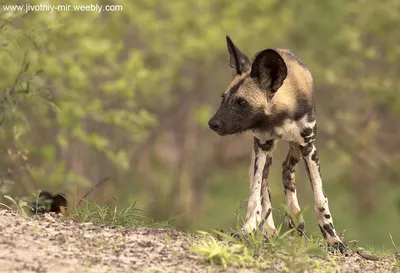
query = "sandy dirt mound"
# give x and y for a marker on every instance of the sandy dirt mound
(52, 244)
(47, 244)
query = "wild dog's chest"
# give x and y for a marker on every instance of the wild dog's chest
(288, 130)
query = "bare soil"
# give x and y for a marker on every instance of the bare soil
(52, 243)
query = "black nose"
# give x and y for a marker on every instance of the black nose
(215, 124)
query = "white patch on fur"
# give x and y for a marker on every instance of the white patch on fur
(289, 131)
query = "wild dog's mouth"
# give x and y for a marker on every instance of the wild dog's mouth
(227, 132)
(221, 133)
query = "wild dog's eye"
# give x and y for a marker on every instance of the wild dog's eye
(241, 102)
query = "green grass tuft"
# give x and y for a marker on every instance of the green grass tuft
(104, 215)
(114, 215)
(291, 253)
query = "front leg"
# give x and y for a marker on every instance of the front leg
(259, 209)
(321, 208)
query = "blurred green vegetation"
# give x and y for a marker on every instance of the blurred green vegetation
(127, 94)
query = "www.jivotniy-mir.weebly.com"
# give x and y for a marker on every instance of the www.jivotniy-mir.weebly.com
(61, 8)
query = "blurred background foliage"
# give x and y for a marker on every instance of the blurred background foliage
(127, 94)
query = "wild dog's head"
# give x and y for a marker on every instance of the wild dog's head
(245, 103)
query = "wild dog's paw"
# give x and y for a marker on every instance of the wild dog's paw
(299, 228)
(250, 226)
(268, 232)
(339, 245)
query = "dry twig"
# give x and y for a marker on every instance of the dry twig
(92, 189)
(397, 253)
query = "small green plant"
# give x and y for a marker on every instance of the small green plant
(225, 253)
(293, 253)
(114, 215)
(107, 215)
(19, 205)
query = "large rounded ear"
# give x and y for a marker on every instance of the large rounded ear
(269, 70)
(237, 60)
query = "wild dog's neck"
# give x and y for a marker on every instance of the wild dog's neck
(268, 122)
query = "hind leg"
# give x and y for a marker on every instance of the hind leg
(321, 209)
(288, 179)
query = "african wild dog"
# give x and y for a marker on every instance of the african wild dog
(272, 96)
(47, 202)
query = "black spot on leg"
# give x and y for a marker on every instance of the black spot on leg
(329, 229)
(268, 214)
(261, 193)
(307, 135)
(255, 164)
(292, 189)
(258, 212)
(327, 216)
(269, 196)
(306, 150)
(255, 147)
(322, 231)
(268, 162)
(308, 172)
(261, 223)
(265, 218)
(314, 156)
(293, 161)
(288, 170)
(321, 209)
(285, 175)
